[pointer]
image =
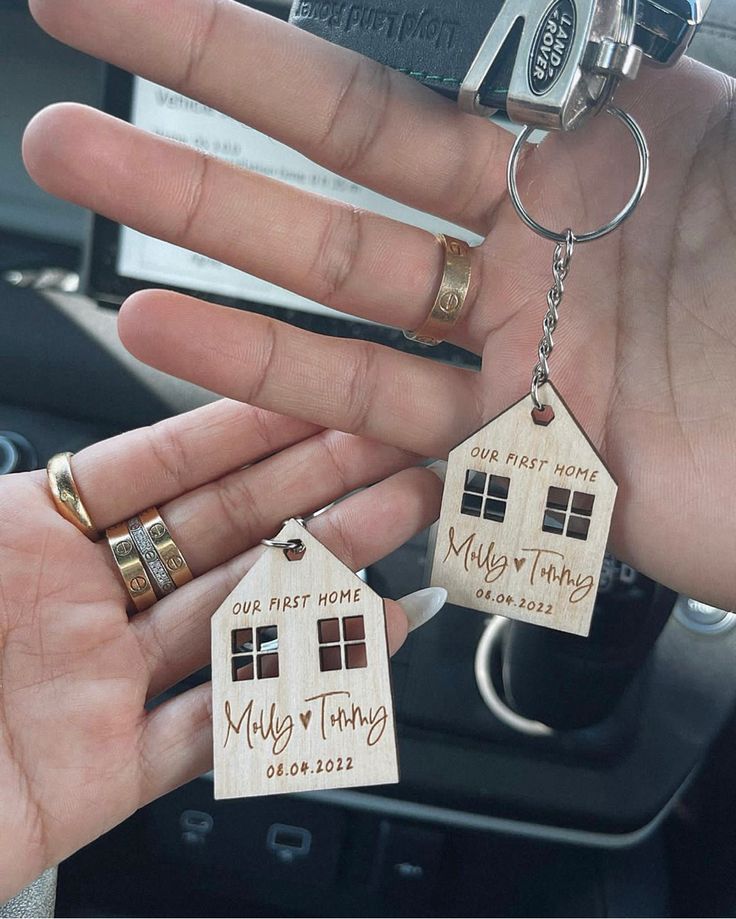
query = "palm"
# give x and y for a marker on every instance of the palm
(80, 749)
(74, 684)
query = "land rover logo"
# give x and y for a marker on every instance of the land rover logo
(551, 46)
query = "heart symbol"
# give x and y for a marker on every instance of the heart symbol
(305, 718)
(519, 562)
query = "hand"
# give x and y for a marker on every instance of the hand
(646, 353)
(79, 752)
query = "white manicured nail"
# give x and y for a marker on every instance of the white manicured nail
(439, 468)
(423, 605)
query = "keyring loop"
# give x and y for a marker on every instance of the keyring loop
(294, 549)
(628, 209)
(294, 545)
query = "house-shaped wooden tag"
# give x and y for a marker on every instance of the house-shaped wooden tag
(525, 517)
(301, 687)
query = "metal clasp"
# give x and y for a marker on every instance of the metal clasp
(572, 54)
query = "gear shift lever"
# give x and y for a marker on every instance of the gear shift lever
(569, 682)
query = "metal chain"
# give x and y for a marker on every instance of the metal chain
(560, 268)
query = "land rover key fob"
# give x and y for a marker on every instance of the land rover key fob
(546, 63)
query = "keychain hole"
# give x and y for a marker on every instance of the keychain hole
(293, 549)
(543, 416)
(296, 551)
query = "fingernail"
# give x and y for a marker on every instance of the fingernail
(439, 468)
(423, 605)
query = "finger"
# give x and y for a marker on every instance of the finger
(338, 108)
(224, 518)
(418, 405)
(360, 530)
(353, 260)
(125, 474)
(176, 743)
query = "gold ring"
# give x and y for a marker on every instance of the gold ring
(66, 494)
(167, 549)
(134, 574)
(451, 296)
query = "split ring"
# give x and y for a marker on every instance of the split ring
(294, 549)
(285, 544)
(628, 209)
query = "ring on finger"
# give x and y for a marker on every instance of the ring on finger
(170, 554)
(162, 581)
(149, 561)
(130, 565)
(66, 495)
(451, 297)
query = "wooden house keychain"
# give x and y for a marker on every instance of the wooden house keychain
(527, 504)
(300, 676)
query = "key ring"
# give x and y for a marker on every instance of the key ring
(293, 549)
(282, 543)
(628, 209)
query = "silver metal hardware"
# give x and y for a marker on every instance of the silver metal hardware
(572, 54)
(151, 559)
(553, 85)
(665, 28)
(293, 549)
(616, 58)
(560, 268)
(626, 211)
(566, 243)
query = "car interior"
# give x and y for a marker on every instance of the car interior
(542, 774)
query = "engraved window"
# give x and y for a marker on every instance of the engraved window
(259, 661)
(342, 643)
(485, 495)
(568, 512)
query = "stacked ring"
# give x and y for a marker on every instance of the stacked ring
(163, 581)
(176, 566)
(131, 567)
(148, 559)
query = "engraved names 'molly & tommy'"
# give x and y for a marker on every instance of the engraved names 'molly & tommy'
(301, 691)
(525, 517)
